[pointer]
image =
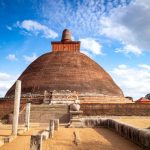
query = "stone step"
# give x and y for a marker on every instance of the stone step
(75, 120)
(49, 112)
(50, 109)
(49, 106)
(75, 125)
(43, 113)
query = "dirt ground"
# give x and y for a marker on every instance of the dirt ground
(22, 142)
(90, 139)
(141, 122)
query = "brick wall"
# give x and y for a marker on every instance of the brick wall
(43, 113)
(116, 109)
(7, 106)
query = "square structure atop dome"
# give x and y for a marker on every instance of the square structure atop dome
(72, 46)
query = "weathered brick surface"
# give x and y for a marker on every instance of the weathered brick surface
(43, 113)
(97, 98)
(6, 107)
(65, 68)
(116, 109)
(72, 71)
(69, 46)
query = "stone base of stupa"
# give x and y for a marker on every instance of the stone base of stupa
(75, 119)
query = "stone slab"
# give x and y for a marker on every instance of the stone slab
(36, 142)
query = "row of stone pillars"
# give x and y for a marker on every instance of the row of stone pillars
(16, 110)
(36, 140)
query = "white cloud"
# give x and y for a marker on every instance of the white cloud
(90, 45)
(37, 28)
(144, 66)
(127, 23)
(133, 81)
(4, 76)
(129, 49)
(6, 81)
(130, 25)
(82, 17)
(30, 58)
(9, 28)
(112, 29)
(122, 66)
(11, 57)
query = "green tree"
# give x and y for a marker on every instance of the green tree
(147, 96)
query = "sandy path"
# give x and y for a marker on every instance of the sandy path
(5, 130)
(137, 122)
(22, 142)
(91, 139)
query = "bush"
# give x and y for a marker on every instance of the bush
(147, 96)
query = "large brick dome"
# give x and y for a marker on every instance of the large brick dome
(66, 69)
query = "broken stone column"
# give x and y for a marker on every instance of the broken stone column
(36, 142)
(76, 138)
(51, 129)
(56, 124)
(27, 115)
(16, 107)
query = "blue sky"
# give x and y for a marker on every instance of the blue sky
(116, 34)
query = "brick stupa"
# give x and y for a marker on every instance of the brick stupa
(66, 68)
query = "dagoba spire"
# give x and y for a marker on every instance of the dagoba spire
(66, 43)
(66, 36)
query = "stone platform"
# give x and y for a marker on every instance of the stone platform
(75, 119)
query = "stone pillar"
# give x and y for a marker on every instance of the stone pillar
(36, 142)
(56, 124)
(51, 129)
(27, 115)
(16, 107)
